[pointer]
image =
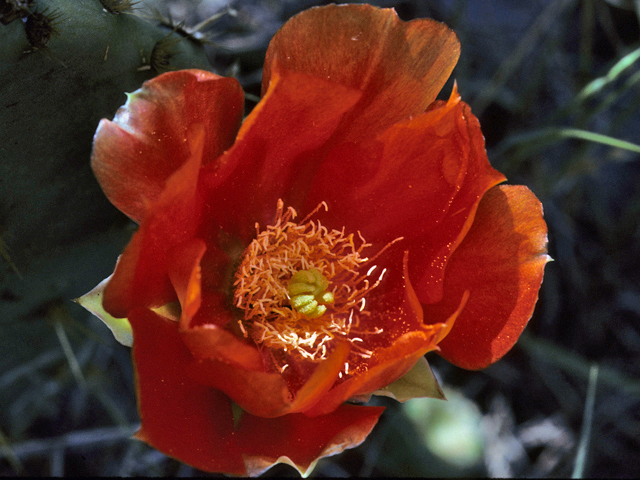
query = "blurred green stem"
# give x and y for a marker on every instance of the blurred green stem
(544, 137)
(587, 421)
(68, 353)
(597, 85)
(7, 452)
(577, 365)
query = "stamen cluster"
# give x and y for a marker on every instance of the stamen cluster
(263, 285)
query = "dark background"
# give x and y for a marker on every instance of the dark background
(527, 69)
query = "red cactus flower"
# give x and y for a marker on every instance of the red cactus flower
(313, 253)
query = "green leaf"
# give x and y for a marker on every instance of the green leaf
(539, 139)
(597, 85)
(597, 138)
(418, 382)
(120, 327)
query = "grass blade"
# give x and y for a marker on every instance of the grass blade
(587, 422)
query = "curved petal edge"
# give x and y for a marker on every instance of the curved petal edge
(501, 263)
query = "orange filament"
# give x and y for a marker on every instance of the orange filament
(289, 260)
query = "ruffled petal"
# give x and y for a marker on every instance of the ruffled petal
(422, 180)
(387, 365)
(410, 340)
(185, 274)
(264, 393)
(301, 441)
(501, 263)
(181, 418)
(278, 149)
(323, 378)
(134, 155)
(195, 423)
(228, 363)
(404, 181)
(259, 392)
(141, 276)
(431, 254)
(213, 342)
(398, 66)
(206, 340)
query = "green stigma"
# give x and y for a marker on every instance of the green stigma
(308, 293)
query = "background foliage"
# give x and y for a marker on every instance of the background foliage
(556, 85)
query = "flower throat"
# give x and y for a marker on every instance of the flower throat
(300, 286)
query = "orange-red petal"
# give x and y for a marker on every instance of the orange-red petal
(402, 340)
(408, 181)
(388, 364)
(134, 155)
(185, 274)
(214, 343)
(206, 340)
(398, 66)
(300, 440)
(259, 392)
(278, 149)
(431, 253)
(501, 263)
(180, 417)
(263, 393)
(195, 423)
(141, 276)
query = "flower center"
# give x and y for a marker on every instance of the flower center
(308, 293)
(300, 286)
